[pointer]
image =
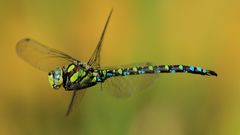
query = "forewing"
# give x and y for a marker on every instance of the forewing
(75, 100)
(94, 61)
(41, 56)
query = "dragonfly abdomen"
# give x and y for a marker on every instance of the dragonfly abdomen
(182, 69)
(153, 69)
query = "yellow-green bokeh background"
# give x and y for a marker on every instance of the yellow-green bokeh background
(204, 33)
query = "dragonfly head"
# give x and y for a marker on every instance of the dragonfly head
(55, 78)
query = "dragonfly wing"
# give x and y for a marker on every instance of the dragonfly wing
(125, 86)
(41, 56)
(75, 100)
(94, 61)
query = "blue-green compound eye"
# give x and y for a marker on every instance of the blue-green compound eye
(55, 78)
(57, 74)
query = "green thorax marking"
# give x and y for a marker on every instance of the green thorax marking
(81, 73)
(70, 68)
(74, 77)
(89, 78)
(75, 73)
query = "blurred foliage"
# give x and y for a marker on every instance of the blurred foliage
(202, 33)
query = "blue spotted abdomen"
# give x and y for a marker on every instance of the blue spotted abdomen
(153, 69)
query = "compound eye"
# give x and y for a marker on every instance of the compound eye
(56, 72)
(56, 76)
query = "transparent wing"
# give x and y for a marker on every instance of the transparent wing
(94, 61)
(41, 56)
(125, 86)
(75, 100)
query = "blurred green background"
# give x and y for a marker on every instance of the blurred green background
(203, 33)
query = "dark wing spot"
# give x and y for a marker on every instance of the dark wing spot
(27, 39)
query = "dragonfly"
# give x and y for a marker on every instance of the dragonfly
(76, 76)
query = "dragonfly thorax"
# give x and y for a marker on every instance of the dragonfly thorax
(55, 78)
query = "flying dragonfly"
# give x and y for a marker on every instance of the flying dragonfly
(76, 76)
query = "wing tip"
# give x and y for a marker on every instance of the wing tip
(20, 43)
(67, 113)
(111, 10)
(24, 40)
